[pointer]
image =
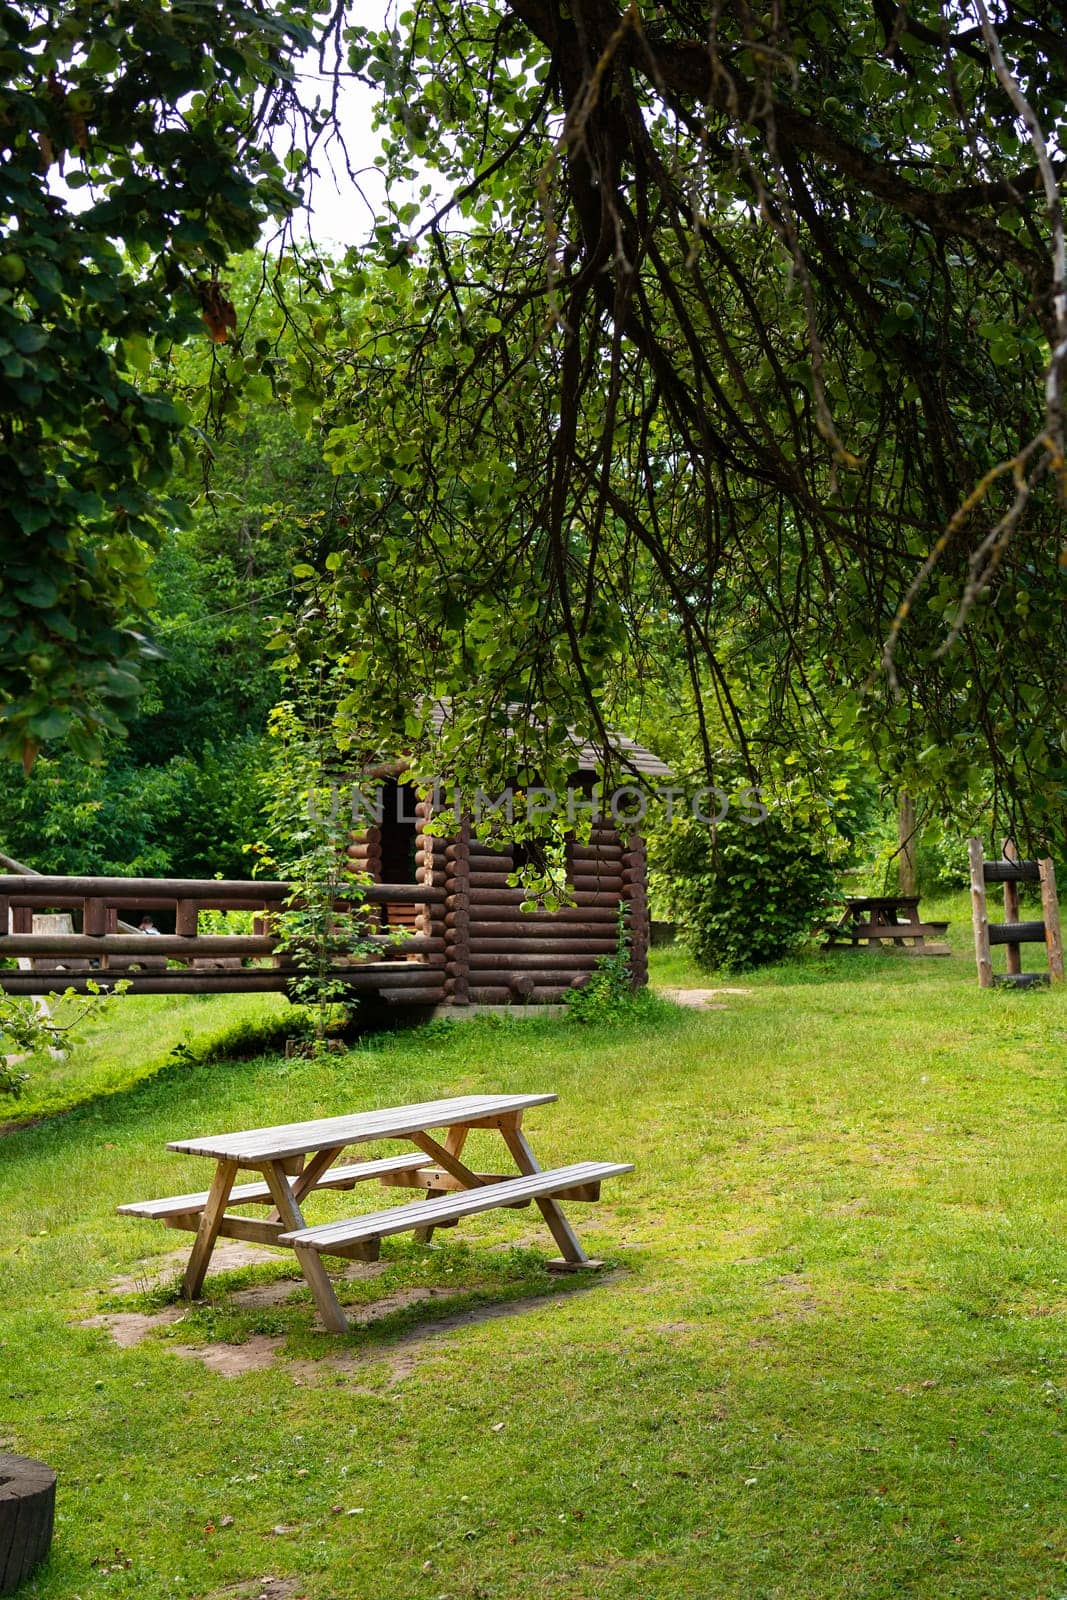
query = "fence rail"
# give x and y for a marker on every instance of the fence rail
(396, 965)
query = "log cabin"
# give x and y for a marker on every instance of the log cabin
(490, 952)
(447, 925)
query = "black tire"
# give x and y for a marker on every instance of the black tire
(27, 1513)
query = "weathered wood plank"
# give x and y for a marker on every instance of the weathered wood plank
(253, 1146)
(469, 1202)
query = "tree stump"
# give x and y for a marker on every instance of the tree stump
(27, 1510)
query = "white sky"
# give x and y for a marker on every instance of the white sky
(343, 211)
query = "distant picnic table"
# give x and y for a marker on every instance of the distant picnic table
(874, 921)
(297, 1159)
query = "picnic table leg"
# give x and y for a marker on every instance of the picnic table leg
(310, 1261)
(455, 1139)
(208, 1231)
(573, 1256)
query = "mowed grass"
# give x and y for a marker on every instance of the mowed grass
(828, 1357)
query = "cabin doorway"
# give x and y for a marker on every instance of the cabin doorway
(399, 842)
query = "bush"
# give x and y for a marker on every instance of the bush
(743, 894)
(190, 817)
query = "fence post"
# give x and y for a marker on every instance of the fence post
(980, 914)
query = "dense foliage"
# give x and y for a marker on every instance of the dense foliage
(719, 318)
(724, 316)
(746, 890)
(134, 159)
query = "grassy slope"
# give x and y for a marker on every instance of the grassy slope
(834, 1361)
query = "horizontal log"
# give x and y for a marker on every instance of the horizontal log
(178, 947)
(126, 944)
(542, 949)
(1016, 933)
(1011, 872)
(75, 902)
(492, 916)
(585, 934)
(542, 995)
(206, 892)
(413, 997)
(488, 976)
(563, 968)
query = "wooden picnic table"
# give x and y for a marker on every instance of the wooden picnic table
(297, 1159)
(893, 919)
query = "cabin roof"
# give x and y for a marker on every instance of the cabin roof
(631, 755)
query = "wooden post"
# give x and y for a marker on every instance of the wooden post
(457, 925)
(635, 893)
(1011, 909)
(980, 914)
(907, 873)
(1051, 908)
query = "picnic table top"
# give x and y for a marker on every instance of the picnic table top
(864, 902)
(255, 1145)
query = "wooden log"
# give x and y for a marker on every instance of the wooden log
(560, 965)
(490, 934)
(980, 914)
(585, 917)
(414, 997)
(487, 977)
(94, 918)
(541, 994)
(27, 1516)
(457, 935)
(113, 889)
(235, 893)
(594, 852)
(85, 946)
(186, 919)
(541, 949)
(1050, 907)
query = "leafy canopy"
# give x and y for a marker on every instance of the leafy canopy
(724, 317)
(134, 158)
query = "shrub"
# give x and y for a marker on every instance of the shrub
(743, 894)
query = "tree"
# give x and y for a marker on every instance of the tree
(727, 315)
(135, 157)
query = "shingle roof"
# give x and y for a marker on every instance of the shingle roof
(631, 756)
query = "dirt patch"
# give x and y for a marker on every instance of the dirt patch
(798, 1292)
(699, 999)
(261, 1351)
(231, 1360)
(264, 1294)
(261, 1589)
(229, 1256)
(128, 1328)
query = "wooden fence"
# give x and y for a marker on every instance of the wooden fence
(400, 968)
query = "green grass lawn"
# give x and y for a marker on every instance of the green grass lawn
(829, 1357)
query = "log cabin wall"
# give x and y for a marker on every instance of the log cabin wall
(538, 956)
(491, 951)
(635, 893)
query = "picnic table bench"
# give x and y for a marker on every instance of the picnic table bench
(874, 920)
(298, 1159)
